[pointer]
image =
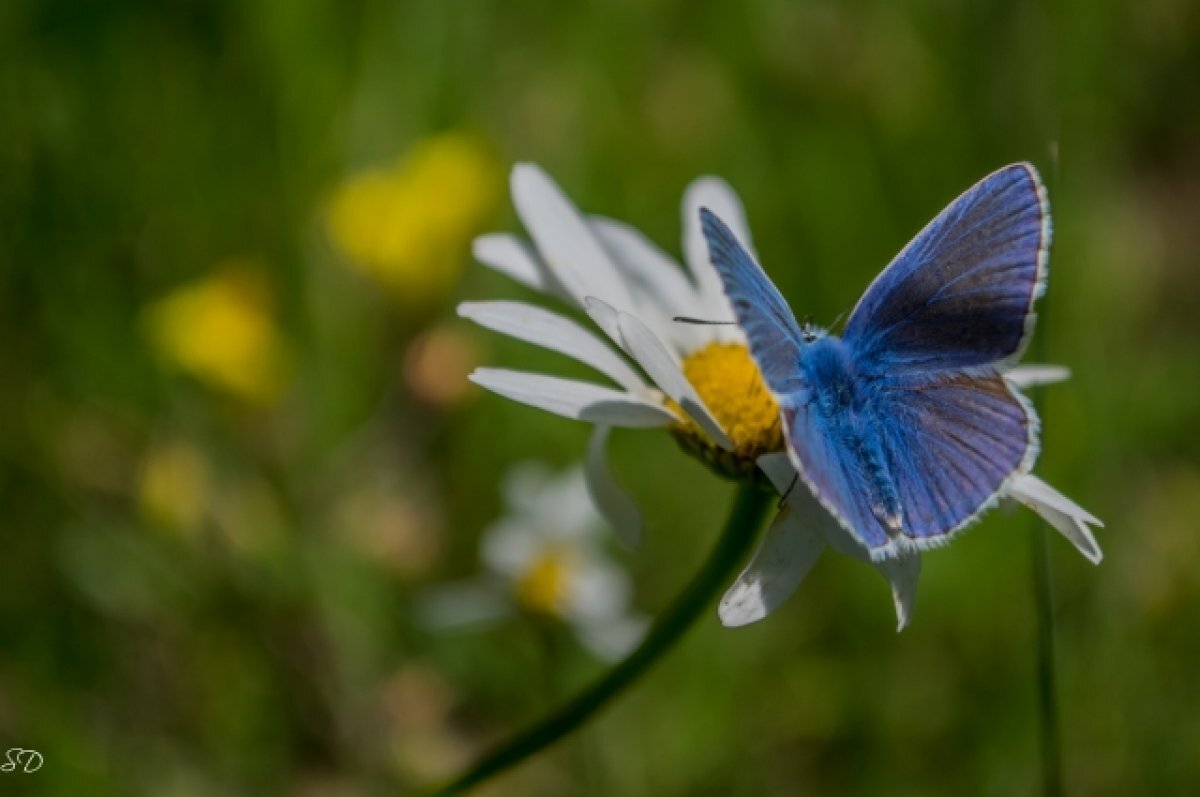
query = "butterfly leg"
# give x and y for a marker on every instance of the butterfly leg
(783, 498)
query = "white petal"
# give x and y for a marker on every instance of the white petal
(543, 328)
(605, 316)
(614, 639)
(523, 486)
(599, 590)
(647, 266)
(662, 367)
(570, 398)
(1028, 489)
(614, 503)
(779, 470)
(563, 239)
(661, 291)
(808, 514)
(457, 606)
(1061, 512)
(516, 258)
(510, 544)
(782, 474)
(716, 195)
(565, 508)
(902, 573)
(1032, 375)
(787, 552)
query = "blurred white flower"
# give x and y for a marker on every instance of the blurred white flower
(545, 558)
(697, 380)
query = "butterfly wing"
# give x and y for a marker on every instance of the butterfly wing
(961, 294)
(928, 338)
(761, 312)
(928, 432)
(837, 470)
(915, 460)
(815, 439)
(951, 445)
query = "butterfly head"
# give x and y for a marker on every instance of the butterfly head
(810, 332)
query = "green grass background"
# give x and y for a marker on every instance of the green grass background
(143, 142)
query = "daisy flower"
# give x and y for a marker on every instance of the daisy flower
(546, 558)
(697, 381)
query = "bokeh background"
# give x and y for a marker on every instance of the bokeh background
(237, 445)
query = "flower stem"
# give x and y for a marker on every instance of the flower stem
(1047, 687)
(740, 533)
(1043, 596)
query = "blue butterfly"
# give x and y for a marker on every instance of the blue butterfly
(905, 428)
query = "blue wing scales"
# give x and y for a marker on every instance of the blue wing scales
(761, 311)
(961, 294)
(951, 445)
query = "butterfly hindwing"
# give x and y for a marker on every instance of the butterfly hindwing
(951, 444)
(904, 462)
(961, 294)
(830, 456)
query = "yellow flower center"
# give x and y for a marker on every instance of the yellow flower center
(544, 586)
(731, 386)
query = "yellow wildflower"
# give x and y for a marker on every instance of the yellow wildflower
(409, 225)
(221, 331)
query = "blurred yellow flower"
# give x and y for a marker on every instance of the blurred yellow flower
(180, 489)
(222, 331)
(409, 225)
(175, 486)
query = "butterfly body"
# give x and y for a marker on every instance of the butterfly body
(905, 428)
(841, 402)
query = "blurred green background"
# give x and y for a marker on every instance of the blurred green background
(236, 443)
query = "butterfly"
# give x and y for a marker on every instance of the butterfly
(904, 428)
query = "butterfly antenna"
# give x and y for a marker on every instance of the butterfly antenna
(683, 319)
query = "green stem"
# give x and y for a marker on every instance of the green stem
(1043, 596)
(741, 531)
(1047, 687)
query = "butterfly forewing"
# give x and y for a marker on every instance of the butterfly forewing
(761, 311)
(961, 294)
